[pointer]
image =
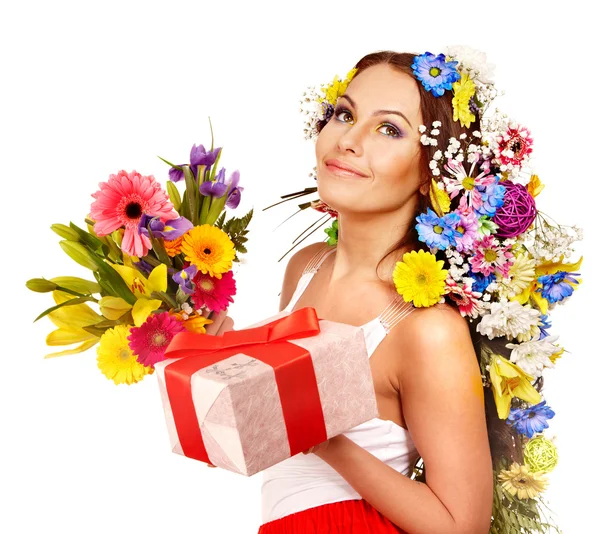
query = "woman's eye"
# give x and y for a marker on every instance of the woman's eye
(341, 112)
(389, 128)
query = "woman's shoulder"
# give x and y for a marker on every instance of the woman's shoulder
(294, 269)
(429, 330)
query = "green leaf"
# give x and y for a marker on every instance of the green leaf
(174, 195)
(72, 302)
(159, 249)
(213, 170)
(192, 195)
(171, 164)
(117, 285)
(184, 210)
(88, 239)
(219, 222)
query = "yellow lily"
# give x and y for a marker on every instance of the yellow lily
(70, 320)
(142, 288)
(535, 185)
(536, 298)
(113, 308)
(508, 381)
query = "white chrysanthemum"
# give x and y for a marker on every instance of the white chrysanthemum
(474, 61)
(534, 356)
(509, 319)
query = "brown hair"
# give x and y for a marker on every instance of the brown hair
(504, 440)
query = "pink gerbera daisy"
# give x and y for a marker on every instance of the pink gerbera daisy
(122, 200)
(467, 300)
(149, 341)
(514, 145)
(462, 181)
(214, 293)
(491, 257)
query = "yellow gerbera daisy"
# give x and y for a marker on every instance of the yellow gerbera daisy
(464, 89)
(338, 87)
(116, 360)
(420, 278)
(208, 248)
(519, 481)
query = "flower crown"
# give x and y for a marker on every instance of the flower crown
(491, 250)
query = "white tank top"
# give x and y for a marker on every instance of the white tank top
(305, 481)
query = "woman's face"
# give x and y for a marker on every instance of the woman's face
(374, 130)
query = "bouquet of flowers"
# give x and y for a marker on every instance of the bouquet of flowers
(487, 247)
(162, 264)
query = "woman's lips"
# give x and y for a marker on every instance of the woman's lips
(342, 172)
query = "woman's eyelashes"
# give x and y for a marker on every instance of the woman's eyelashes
(395, 131)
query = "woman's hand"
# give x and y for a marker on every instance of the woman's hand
(221, 322)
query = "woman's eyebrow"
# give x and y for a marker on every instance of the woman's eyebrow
(380, 111)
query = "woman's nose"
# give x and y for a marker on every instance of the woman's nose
(351, 140)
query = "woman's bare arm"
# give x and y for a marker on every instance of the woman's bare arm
(442, 401)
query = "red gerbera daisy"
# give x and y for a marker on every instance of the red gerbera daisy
(150, 341)
(214, 293)
(514, 145)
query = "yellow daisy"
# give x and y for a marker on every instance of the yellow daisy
(519, 481)
(464, 89)
(338, 87)
(208, 248)
(116, 360)
(420, 278)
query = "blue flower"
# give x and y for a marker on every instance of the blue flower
(492, 198)
(481, 281)
(435, 73)
(530, 421)
(556, 287)
(438, 232)
(544, 325)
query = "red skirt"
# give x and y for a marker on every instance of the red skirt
(344, 517)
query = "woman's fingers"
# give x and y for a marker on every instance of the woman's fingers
(221, 323)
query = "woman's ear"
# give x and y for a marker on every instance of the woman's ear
(424, 189)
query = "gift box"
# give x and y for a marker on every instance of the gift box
(251, 398)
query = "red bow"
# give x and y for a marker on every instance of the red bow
(292, 365)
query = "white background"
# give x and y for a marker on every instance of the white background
(92, 88)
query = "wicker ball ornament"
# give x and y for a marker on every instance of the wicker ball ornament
(518, 211)
(540, 455)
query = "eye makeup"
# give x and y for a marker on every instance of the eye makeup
(398, 133)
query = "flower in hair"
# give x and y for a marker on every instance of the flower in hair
(435, 73)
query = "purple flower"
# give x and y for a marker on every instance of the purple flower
(169, 230)
(184, 279)
(144, 267)
(530, 421)
(235, 192)
(198, 156)
(492, 198)
(214, 188)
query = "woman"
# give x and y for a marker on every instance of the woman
(373, 170)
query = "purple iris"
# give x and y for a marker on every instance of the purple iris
(530, 421)
(214, 188)
(198, 156)
(144, 267)
(184, 279)
(169, 230)
(235, 191)
(218, 187)
(438, 232)
(556, 287)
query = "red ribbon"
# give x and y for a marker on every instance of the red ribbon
(292, 365)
